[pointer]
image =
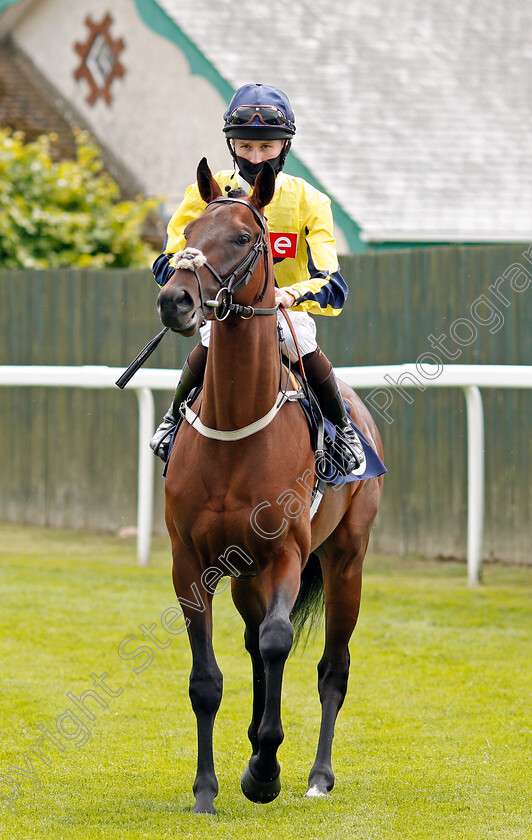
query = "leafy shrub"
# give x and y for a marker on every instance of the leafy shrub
(66, 212)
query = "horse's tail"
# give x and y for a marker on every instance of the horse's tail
(309, 602)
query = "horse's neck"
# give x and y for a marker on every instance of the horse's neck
(243, 373)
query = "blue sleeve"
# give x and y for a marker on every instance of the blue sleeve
(161, 267)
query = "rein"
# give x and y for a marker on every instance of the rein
(192, 259)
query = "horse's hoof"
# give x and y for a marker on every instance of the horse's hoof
(259, 791)
(315, 791)
(203, 806)
(209, 809)
(320, 783)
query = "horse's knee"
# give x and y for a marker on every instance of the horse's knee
(205, 690)
(275, 638)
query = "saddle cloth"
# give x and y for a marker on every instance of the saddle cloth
(335, 459)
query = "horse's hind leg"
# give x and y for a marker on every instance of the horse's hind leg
(259, 686)
(252, 609)
(342, 577)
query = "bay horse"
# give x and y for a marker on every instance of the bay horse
(225, 491)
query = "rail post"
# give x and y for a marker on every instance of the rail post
(145, 475)
(475, 483)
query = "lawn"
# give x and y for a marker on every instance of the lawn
(433, 742)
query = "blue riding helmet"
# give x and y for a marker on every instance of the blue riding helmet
(259, 112)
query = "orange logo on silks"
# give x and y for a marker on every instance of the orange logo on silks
(283, 245)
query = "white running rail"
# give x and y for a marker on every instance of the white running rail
(470, 378)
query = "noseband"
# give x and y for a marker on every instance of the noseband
(192, 259)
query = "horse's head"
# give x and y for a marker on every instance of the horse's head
(224, 246)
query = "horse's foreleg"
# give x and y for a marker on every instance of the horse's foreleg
(206, 682)
(342, 602)
(205, 690)
(261, 779)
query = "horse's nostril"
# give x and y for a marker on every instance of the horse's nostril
(179, 296)
(175, 299)
(175, 307)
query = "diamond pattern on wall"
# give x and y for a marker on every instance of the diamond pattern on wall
(99, 60)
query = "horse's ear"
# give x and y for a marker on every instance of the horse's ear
(208, 187)
(264, 187)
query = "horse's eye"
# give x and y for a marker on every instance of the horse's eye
(243, 239)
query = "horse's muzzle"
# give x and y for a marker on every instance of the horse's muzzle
(178, 311)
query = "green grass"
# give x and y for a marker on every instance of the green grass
(434, 740)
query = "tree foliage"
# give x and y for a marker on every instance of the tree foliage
(66, 212)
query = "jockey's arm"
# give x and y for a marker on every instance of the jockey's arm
(324, 291)
(190, 208)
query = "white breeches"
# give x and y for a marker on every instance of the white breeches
(304, 328)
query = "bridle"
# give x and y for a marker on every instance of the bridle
(193, 259)
(223, 302)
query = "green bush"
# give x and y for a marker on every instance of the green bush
(67, 212)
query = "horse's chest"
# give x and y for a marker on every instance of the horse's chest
(212, 521)
(240, 494)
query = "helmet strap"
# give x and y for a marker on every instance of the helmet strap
(286, 149)
(231, 150)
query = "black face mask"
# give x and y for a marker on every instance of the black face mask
(249, 171)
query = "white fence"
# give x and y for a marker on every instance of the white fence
(470, 378)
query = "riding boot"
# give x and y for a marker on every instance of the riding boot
(321, 378)
(191, 376)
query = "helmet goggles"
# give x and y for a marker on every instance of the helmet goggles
(267, 115)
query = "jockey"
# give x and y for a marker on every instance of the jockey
(259, 126)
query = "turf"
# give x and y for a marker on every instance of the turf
(433, 741)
